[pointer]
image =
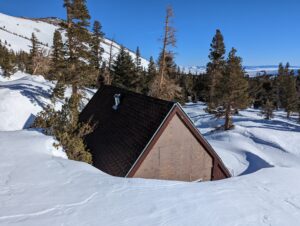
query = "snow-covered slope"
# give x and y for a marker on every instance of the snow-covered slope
(39, 186)
(16, 32)
(21, 98)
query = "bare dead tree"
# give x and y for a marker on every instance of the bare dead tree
(163, 86)
(168, 40)
(41, 62)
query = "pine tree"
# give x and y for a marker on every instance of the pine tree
(6, 65)
(64, 124)
(215, 67)
(35, 54)
(58, 64)
(137, 61)
(152, 70)
(138, 71)
(232, 90)
(290, 92)
(58, 55)
(123, 71)
(148, 76)
(78, 38)
(22, 61)
(268, 96)
(68, 135)
(96, 49)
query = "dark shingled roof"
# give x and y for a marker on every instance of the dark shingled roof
(122, 134)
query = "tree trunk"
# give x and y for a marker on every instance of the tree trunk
(109, 80)
(228, 123)
(163, 57)
(288, 114)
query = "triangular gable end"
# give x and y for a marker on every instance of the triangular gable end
(218, 170)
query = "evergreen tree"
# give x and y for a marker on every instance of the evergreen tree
(35, 54)
(22, 61)
(58, 64)
(7, 66)
(78, 40)
(267, 96)
(232, 90)
(290, 92)
(58, 55)
(152, 68)
(279, 86)
(68, 135)
(64, 124)
(96, 49)
(215, 67)
(148, 76)
(139, 72)
(123, 71)
(137, 61)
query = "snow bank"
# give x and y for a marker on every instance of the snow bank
(255, 143)
(39, 186)
(21, 97)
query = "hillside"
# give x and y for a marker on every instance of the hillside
(16, 33)
(39, 186)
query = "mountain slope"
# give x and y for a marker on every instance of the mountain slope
(16, 33)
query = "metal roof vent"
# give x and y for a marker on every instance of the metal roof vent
(117, 101)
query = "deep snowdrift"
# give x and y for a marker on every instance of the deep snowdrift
(39, 186)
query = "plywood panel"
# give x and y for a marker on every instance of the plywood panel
(177, 155)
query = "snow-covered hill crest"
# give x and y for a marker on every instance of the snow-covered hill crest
(16, 32)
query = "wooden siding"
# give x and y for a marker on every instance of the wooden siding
(176, 155)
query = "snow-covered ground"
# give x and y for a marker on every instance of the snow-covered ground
(39, 186)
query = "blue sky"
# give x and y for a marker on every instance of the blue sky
(264, 32)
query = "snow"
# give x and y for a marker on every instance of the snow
(16, 27)
(17, 33)
(40, 186)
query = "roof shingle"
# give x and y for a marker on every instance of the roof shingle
(122, 134)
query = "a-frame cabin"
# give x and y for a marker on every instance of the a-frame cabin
(145, 137)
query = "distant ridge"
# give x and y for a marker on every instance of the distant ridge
(250, 70)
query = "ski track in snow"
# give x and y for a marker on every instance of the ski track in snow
(60, 209)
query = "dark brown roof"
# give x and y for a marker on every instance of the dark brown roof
(122, 134)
